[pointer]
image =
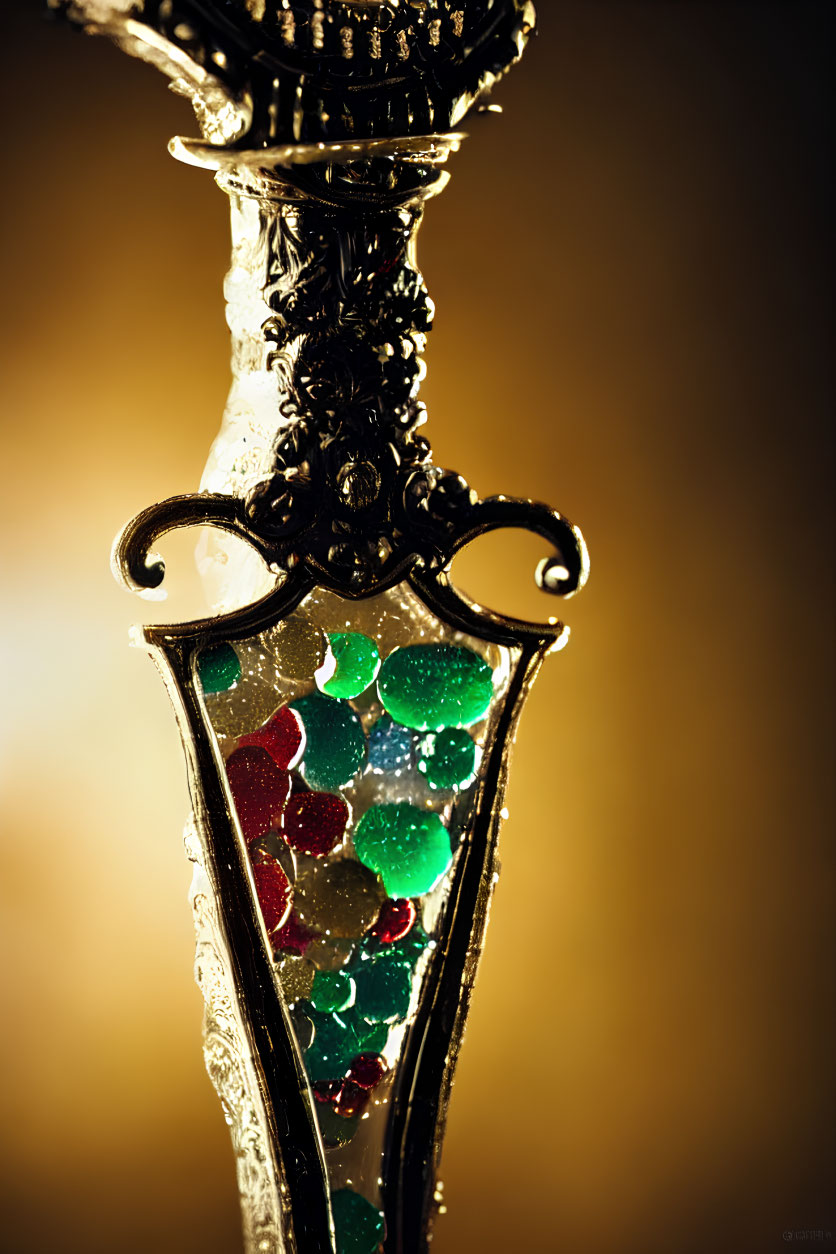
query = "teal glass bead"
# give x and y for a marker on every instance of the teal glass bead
(338, 1039)
(447, 759)
(408, 847)
(360, 1227)
(384, 989)
(431, 686)
(218, 668)
(357, 663)
(335, 1045)
(409, 949)
(335, 746)
(371, 1037)
(332, 991)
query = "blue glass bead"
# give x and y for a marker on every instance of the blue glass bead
(390, 746)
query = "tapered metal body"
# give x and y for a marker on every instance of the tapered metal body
(348, 731)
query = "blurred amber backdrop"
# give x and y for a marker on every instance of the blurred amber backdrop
(631, 268)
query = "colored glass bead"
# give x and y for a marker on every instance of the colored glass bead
(390, 746)
(340, 898)
(336, 1129)
(343, 1096)
(303, 1027)
(293, 937)
(384, 990)
(334, 1046)
(394, 921)
(330, 953)
(332, 991)
(409, 948)
(282, 736)
(371, 1037)
(431, 686)
(367, 1070)
(409, 847)
(259, 789)
(447, 759)
(297, 977)
(372, 950)
(326, 1092)
(271, 845)
(274, 892)
(336, 744)
(351, 1100)
(242, 709)
(360, 1227)
(315, 822)
(357, 663)
(298, 647)
(218, 668)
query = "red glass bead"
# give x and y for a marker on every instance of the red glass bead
(259, 789)
(314, 822)
(282, 736)
(352, 1100)
(394, 921)
(327, 1091)
(367, 1070)
(274, 892)
(293, 937)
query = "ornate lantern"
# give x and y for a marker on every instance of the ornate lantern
(348, 731)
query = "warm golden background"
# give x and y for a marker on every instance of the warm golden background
(632, 277)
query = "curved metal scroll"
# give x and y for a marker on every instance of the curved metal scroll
(562, 574)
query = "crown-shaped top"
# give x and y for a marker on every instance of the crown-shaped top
(266, 73)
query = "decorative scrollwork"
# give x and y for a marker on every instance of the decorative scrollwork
(443, 519)
(263, 73)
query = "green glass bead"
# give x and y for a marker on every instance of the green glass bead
(405, 952)
(431, 686)
(218, 668)
(384, 989)
(335, 748)
(358, 662)
(331, 990)
(447, 759)
(371, 1037)
(408, 847)
(334, 1046)
(410, 948)
(360, 1227)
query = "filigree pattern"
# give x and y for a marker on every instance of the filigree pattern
(263, 73)
(354, 493)
(230, 1066)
